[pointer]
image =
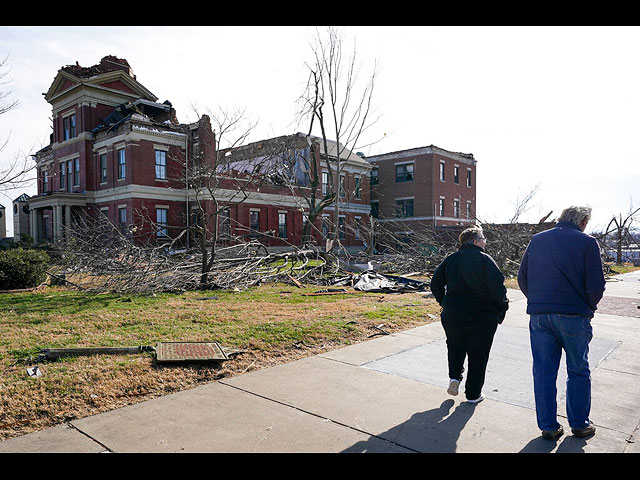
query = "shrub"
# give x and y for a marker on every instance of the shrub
(20, 268)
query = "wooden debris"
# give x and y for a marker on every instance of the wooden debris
(296, 282)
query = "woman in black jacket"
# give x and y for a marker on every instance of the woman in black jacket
(470, 288)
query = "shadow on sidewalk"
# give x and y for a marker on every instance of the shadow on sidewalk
(568, 444)
(432, 431)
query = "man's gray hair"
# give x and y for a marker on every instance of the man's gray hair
(470, 235)
(575, 214)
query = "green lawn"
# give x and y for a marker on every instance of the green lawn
(270, 324)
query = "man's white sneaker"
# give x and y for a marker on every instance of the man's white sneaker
(477, 400)
(453, 387)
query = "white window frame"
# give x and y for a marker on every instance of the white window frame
(162, 224)
(254, 231)
(122, 166)
(412, 174)
(62, 169)
(281, 225)
(122, 224)
(377, 202)
(73, 126)
(76, 172)
(161, 166)
(104, 170)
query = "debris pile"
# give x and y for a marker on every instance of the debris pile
(372, 281)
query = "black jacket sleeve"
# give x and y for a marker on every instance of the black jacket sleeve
(495, 284)
(438, 282)
(522, 272)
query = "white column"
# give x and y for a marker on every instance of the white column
(67, 219)
(33, 224)
(57, 223)
(37, 224)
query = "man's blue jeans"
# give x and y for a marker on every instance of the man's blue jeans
(551, 334)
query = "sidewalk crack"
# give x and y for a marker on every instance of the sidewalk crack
(106, 449)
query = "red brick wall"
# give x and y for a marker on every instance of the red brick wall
(426, 187)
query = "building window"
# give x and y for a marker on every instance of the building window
(69, 175)
(441, 210)
(254, 221)
(375, 209)
(404, 173)
(45, 180)
(196, 217)
(356, 228)
(122, 217)
(282, 225)
(342, 187)
(373, 176)
(76, 172)
(404, 207)
(341, 227)
(325, 183)
(456, 208)
(357, 191)
(224, 222)
(63, 175)
(325, 226)
(468, 209)
(468, 177)
(442, 171)
(162, 223)
(69, 126)
(161, 165)
(103, 168)
(456, 172)
(122, 164)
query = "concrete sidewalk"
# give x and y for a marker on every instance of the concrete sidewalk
(384, 395)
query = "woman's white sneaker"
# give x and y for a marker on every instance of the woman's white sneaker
(477, 400)
(453, 386)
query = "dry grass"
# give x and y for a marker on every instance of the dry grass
(273, 324)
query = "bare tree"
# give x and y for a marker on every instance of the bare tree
(6, 104)
(15, 173)
(333, 105)
(522, 203)
(208, 172)
(97, 256)
(618, 231)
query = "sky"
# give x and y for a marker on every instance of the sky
(551, 108)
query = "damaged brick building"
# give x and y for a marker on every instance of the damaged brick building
(116, 151)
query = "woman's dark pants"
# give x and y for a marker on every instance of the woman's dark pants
(471, 338)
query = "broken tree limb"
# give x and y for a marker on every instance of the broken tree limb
(55, 353)
(296, 282)
(380, 330)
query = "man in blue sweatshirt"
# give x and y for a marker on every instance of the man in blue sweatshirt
(561, 276)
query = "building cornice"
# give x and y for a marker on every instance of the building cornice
(96, 83)
(466, 158)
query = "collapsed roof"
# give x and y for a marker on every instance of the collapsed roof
(151, 112)
(107, 64)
